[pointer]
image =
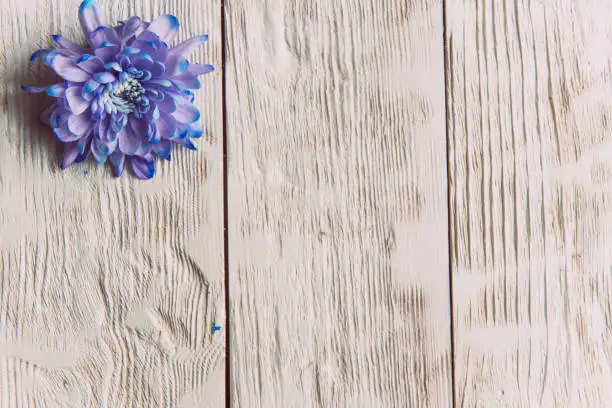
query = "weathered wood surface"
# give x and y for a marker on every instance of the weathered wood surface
(338, 241)
(529, 85)
(108, 288)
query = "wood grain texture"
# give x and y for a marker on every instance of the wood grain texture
(338, 252)
(108, 287)
(529, 86)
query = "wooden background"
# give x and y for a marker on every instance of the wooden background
(407, 203)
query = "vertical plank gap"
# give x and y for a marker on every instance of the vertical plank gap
(448, 204)
(225, 208)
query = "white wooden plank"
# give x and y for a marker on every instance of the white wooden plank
(531, 158)
(108, 287)
(337, 204)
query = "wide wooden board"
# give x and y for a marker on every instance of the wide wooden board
(108, 287)
(529, 85)
(338, 241)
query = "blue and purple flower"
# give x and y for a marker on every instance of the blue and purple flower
(128, 96)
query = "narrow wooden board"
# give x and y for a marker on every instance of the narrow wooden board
(529, 85)
(108, 287)
(338, 240)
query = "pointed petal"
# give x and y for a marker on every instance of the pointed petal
(113, 65)
(104, 77)
(143, 167)
(64, 135)
(71, 152)
(129, 142)
(79, 124)
(69, 45)
(186, 114)
(107, 51)
(158, 69)
(165, 127)
(45, 117)
(161, 82)
(90, 63)
(83, 144)
(57, 90)
(163, 149)
(59, 117)
(34, 89)
(67, 68)
(90, 16)
(166, 27)
(200, 69)
(186, 81)
(90, 86)
(195, 131)
(117, 159)
(39, 54)
(77, 103)
(103, 35)
(130, 27)
(188, 144)
(181, 51)
(167, 105)
(101, 150)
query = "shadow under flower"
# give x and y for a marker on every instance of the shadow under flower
(22, 112)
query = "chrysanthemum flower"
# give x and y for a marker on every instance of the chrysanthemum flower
(127, 97)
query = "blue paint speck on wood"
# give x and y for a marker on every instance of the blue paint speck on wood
(216, 328)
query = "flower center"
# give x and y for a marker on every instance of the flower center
(127, 95)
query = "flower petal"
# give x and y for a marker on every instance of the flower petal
(129, 142)
(107, 51)
(117, 159)
(158, 69)
(143, 167)
(45, 117)
(103, 35)
(186, 81)
(67, 68)
(166, 27)
(113, 65)
(104, 77)
(195, 131)
(163, 149)
(176, 54)
(165, 127)
(71, 153)
(90, 16)
(34, 89)
(90, 86)
(140, 127)
(84, 145)
(64, 135)
(130, 28)
(77, 103)
(90, 63)
(186, 114)
(167, 105)
(57, 90)
(59, 117)
(101, 150)
(161, 82)
(39, 54)
(67, 44)
(200, 69)
(79, 124)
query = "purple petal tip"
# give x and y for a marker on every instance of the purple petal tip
(88, 3)
(174, 22)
